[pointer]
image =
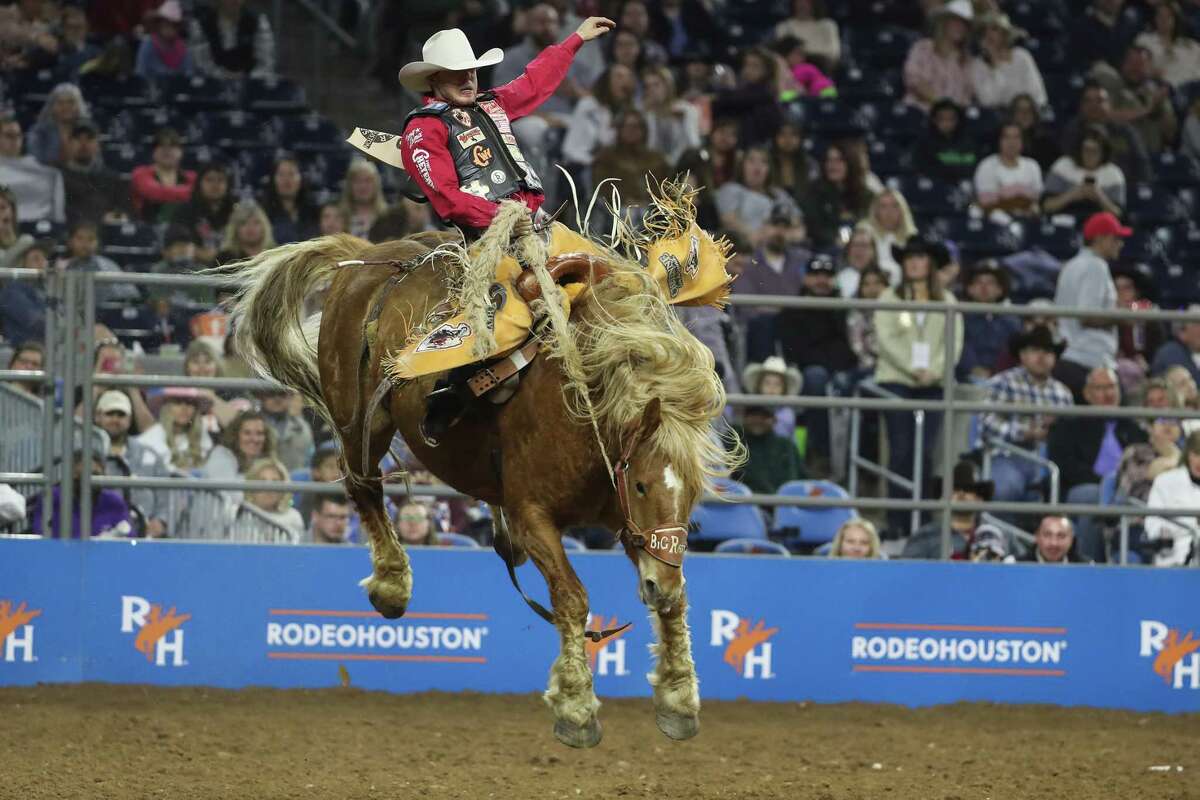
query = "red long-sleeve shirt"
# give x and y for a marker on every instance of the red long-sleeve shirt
(519, 98)
(145, 188)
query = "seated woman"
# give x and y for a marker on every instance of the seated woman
(162, 185)
(1086, 181)
(790, 165)
(857, 538)
(838, 198)
(1003, 70)
(1007, 184)
(891, 223)
(857, 258)
(292, 214)
(1037, 140)
(810, 24)
(746, 204)
(362, 197)
(247, 438)
(592, 124)
(939, 66)
(247, 234)
(273, 508)
(414, 525)
(201, 360)
(946, 152)
(180, 437)
(165, 51)
(1177, 488)
(630, 161)
(63, 108)
(674, 124)
(206, 213)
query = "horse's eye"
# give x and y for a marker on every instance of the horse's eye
(641, 488)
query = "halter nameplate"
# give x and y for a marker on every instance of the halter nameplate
(666, 543)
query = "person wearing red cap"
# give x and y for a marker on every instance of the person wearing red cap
(1085, 282)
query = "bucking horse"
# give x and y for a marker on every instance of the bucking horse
(608, 419)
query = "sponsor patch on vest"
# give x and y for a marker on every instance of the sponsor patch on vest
(491, 107)
(476, 188)
(674, 273)
(498, 176)
(414, 137)
(481, 155)
(462, 117)
(420, 157)
(508, 138)
(445, 337)
(468, 138)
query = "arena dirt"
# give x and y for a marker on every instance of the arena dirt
(94, 741)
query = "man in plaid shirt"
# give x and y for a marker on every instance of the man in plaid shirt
(1029, 384)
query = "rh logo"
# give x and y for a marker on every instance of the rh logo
(16, 634)
(159, 635)
(1176, 659)
(747, 650)
(607, 657)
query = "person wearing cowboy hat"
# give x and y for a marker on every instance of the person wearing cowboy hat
(1005, 70)
(459, 146)
(937, 67)
(964, 525)
(985, 335)
(1030, 383)
(775, 377)
(912, 352)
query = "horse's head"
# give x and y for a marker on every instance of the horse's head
(655, 504)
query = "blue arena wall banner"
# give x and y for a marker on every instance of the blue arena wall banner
(915, 633)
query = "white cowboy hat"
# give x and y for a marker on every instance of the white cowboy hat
(448, 50)
(777, 366)
(959, 8)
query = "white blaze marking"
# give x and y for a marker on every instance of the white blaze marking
(672, 482)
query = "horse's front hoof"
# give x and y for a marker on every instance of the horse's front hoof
(386, 608)
(584, 736)
(678, 726)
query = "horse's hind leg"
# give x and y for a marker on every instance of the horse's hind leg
(676, 690)
(569, 693)
(389, 586)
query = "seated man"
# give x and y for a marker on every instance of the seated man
(83, 255)
(1086, 449)
(1054, 543)
(1183, 350)
(330, 520)
(771, 460)
(93, 192)
(985, 335)
(968, 488)
(110, 513)
(127, 457)
(1029, 383)
(28, 356)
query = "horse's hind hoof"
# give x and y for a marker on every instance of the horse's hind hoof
(678, 726)
(584, 736)
(387, 610)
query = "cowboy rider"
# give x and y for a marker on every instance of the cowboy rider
(459, 146)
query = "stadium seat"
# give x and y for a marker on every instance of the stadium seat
(1060, 241)
(275, 95)
(823, 550)
(1150, 205)
(888, 160)
(1147, 245)
(571, 544)
(718, 520)
(980, 238)
(829, 118)
(31, 85)
(882, 47)
(121, 157)
(311, 133)
(129, 241)
(198, 92)
(1177, 285)
(930, 198)
(128, 91)
(901, 123)
(43, 229)
(234, 130)
(856, 86)
(752, 547)
(1176, 170)
(455, 540)
(1049, 54)
(810, 526)
(129, 323)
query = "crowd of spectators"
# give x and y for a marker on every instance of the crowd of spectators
(996, 151)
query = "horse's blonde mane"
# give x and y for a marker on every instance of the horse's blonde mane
(632, 348)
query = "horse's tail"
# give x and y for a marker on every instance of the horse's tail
(268, 315)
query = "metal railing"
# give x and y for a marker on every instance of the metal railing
(75, 299)
(858, 461)
(991, 446)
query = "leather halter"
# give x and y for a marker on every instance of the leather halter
(667, 543)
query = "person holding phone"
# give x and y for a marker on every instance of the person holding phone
(1086, 181)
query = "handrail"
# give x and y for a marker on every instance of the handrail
(1008, 448)
(327, 22)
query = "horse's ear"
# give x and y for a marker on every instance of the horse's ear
(651, 418)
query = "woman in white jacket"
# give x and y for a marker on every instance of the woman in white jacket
(1176, 488)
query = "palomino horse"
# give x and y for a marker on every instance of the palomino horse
(536, 459)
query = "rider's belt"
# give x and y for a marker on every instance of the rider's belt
(489, 378)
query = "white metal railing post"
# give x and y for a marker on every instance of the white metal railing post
(55, 328)
(949, 338)
(87, 416)
(918, 471)
(67, 417)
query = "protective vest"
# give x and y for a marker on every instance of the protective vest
(486, 156)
